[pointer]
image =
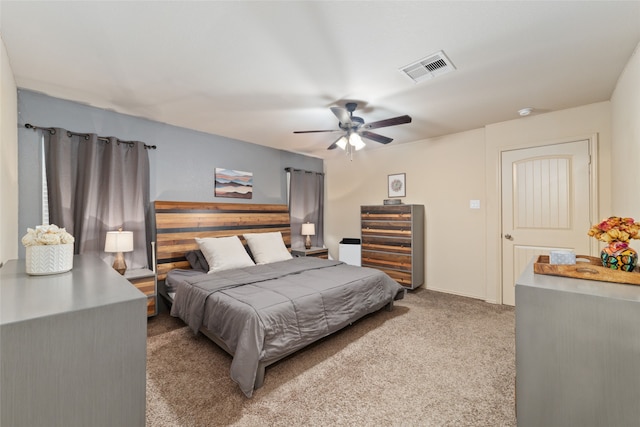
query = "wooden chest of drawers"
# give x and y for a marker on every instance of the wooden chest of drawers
(393, 241)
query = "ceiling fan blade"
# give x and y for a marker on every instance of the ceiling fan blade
(400, 120)
(342, 114)
(316, 131)
(335, 144)
(376, 137)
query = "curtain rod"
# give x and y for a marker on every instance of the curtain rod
(52, 131)
(302, 170)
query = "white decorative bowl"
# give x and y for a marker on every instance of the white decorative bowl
(49, 259)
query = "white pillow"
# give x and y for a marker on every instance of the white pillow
(224, 253)
(267, 247)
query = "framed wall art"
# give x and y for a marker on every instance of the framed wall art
(233, 183)
(397, 185)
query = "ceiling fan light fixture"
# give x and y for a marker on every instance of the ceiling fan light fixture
(355, 129)
(356, 141)
(342, 143)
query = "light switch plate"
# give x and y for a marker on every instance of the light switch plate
(474, 204)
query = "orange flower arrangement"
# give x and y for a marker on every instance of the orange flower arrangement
(616, 229)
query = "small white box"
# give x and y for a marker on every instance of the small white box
(562, 257)
(350, 254)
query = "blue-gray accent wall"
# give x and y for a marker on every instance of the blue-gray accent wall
(182, 167)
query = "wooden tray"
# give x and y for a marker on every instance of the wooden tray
(586, 267)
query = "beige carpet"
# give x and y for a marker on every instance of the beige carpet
(435, 360)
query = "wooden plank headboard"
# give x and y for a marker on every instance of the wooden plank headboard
(178, 223)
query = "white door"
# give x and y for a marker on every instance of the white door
(545, 206)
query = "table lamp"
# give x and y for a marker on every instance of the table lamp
(119, 242)
(308, 230)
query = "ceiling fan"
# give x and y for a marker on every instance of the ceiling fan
(355, 128)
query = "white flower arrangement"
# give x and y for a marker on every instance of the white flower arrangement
(47, 235)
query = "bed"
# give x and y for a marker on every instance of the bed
(265, 309)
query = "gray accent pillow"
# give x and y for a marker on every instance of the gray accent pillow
(197, 260)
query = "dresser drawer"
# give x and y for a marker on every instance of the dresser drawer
(386, 212)
(400, 245)
(147, 285)
(402, 277)
(386, 260)
(151, 306)
(145, 281)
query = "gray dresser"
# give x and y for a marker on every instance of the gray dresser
(72, 347)
(577, 352)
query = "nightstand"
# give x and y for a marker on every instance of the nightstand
(314, 251)
(145, 280)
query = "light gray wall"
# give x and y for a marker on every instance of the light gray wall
(8, 159)
(182, 167)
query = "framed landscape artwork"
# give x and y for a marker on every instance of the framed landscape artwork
(233, 183)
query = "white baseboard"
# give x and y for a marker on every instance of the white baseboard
(448, 291)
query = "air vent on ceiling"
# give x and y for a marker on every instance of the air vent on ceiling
(427, 68)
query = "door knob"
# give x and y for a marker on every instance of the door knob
(508, 236)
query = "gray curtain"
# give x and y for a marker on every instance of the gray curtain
(96, 185)
(306, 204)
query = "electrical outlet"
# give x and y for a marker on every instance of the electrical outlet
(474, 204)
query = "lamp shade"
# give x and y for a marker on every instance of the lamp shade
(342, 142)
(119, 241)
(308, 229)
(356, 141)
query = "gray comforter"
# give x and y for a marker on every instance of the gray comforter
(266, 311)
